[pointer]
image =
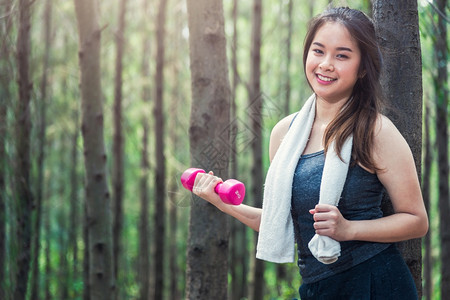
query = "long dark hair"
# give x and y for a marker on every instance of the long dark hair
(359, 115)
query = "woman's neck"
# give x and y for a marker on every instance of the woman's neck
(326, 111)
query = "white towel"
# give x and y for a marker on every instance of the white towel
(276, 241)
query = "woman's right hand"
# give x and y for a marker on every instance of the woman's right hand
(204, 187)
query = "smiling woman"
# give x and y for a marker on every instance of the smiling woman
(341, 126)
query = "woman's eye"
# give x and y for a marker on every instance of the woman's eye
(318, 51)
(342, 56)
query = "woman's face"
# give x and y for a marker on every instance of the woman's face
(332, 63)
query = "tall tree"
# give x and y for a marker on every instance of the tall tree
(118, 145)
(238, 241)
(99, 225)
(74, 218)
(426, 183)
(206, 269)
(255, 110)
(160, 183)
(441, 91)
(5, 94)
(41, 150)
(398, 35)
(287, 83)
(23, 193)
(144, 243)
(176, 101)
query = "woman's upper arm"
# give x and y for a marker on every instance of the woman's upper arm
(398, 172)
(278, 133)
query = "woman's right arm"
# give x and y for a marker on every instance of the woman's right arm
(206, 182)
(204, 188)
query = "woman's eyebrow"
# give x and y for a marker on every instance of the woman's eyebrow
(338, 48)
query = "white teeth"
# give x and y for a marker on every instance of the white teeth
(325, 78)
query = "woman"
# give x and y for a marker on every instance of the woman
(342, 64)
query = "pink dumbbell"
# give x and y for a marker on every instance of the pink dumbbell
(231, 191)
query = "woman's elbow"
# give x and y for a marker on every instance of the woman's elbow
(422, 225)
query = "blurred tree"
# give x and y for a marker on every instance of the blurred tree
(398, 35)
(144, 230)
(441, 92)
(41, 140)
(238, 250)
(23, 194)
(118, 146)
(426, 183)
(160, 176)
(255, 98)
(209, 132)
(5, 95)
(99, 225)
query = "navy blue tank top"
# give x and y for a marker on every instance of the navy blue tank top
(360, 200)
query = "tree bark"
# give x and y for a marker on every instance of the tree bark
(99, 225)
(118, 147)
(23, 193)
(255, 111)
(41, 152)
(397, 26)
(144, 230)
(207, 262)
(5, 95)
(160, 183)
(441, 88)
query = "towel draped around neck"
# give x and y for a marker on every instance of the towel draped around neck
(276, 241)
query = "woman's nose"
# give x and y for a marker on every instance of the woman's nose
(326, 65)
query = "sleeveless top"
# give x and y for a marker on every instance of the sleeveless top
(360, 200)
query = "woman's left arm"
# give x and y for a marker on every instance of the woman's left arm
(398, 175)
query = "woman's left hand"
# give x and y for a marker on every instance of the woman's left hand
(328, 221)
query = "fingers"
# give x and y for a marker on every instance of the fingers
(328, 221)
(205, 183)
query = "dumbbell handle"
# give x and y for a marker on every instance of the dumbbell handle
(231, 191)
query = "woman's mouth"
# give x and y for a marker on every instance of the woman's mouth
(324, 79)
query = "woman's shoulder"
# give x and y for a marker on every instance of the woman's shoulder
(278, 132)
(385, 130)
(389, 144)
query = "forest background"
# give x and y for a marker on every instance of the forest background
(144, 56)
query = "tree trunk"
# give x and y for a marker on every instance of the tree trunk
(287, 84)
(160, 183)
(397, 25)
(74, 201)
(144, 245)
(441, 88)
(255, 110)
(282, 273)
(238, 243)
(24, 198)
(101, 268)
(86, 265)
(426, 182)
(176, 101)
(5, 95)
(144, 230)
(207, 263)
(41, 152)
(118, 146)
(48, 261)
